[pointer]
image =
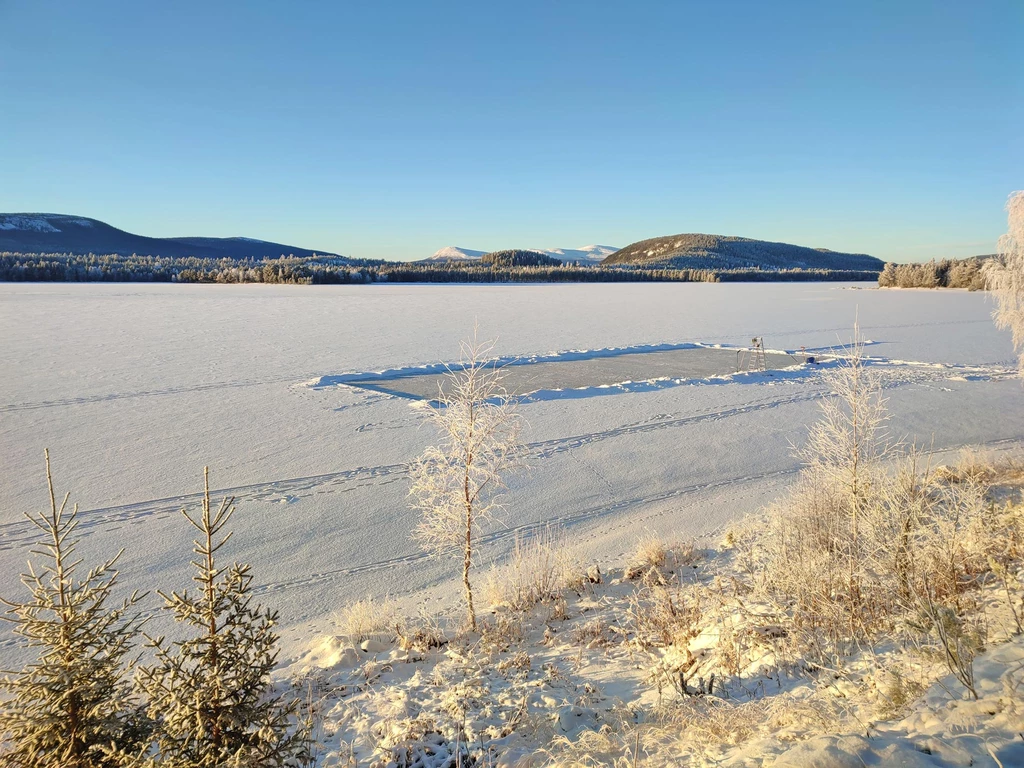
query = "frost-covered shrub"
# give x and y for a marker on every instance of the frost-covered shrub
(660, 615)
(925, 541)
(692, 731)
(423, 634)
(650, 556)
(817, 541)
(499, 634)
(862, 543)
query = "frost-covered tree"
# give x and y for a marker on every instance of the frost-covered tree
(844, 445)
(843, 451)
(1005, 275)
(210, 695)
(72, 706)
(887, 279)
(456, 483)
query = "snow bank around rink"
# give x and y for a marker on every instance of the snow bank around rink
(825, 358)
(502, 361)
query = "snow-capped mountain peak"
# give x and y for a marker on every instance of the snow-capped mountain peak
(593, 253)
(455, 253)
(588, 253)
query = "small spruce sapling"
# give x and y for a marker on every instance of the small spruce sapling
(456, 483)
(211, 695)
(72, 707)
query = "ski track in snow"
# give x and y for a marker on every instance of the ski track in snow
(525, 530)
(87, 399)
(22, 533)
(331, 380)
(588, 515)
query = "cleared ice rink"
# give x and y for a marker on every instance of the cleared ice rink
(524, 378)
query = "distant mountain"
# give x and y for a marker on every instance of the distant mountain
(697, 251)
(59, 233)
(454, 253)
(588, 254)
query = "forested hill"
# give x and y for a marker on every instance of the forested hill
(60, 233)
(50, 246)
(697, 251)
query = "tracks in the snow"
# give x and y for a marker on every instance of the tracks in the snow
(20, 533)
(587, 515)
(183, 390)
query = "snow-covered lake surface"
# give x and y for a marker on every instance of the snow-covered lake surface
(134, 388)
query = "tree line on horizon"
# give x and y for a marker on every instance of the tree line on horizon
(945, 273)
(507, 267)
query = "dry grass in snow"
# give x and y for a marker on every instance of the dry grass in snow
(541, 569)
(371, 619)
(764, 651)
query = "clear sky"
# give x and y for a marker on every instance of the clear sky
(391, 129)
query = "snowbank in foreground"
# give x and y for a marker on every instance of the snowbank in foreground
(578, 668)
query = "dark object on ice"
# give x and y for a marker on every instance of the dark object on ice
(811, 360)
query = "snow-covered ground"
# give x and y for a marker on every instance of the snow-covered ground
(135, 387)
(590, 675)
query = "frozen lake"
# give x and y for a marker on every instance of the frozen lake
(134, 388)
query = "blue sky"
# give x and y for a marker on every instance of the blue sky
(392, 129)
